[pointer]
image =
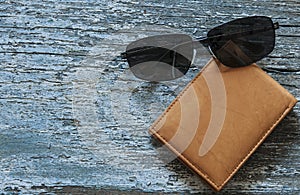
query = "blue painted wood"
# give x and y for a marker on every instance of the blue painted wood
(74, 119)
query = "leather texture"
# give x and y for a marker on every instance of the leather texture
(220, 119)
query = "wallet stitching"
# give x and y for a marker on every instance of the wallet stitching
(256, 145)
(192, 164)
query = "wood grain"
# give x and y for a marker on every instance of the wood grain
(74, 119)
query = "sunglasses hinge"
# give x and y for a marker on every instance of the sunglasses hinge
(276, 25)
(123, 55)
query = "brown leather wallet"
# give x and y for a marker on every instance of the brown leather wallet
(220, 119)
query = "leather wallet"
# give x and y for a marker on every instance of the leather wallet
(221, 117)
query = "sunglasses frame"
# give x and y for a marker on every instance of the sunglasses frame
(206, 41)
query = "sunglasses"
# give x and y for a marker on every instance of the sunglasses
(237, 43)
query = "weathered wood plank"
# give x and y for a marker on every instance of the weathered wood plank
(74, 119)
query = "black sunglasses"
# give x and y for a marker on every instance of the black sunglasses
(237, 43)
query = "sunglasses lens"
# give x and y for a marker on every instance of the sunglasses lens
(160, 58)
(243, 41)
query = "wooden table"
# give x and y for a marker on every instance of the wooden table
(74, 119)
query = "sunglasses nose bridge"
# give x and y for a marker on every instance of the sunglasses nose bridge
(204, 41)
